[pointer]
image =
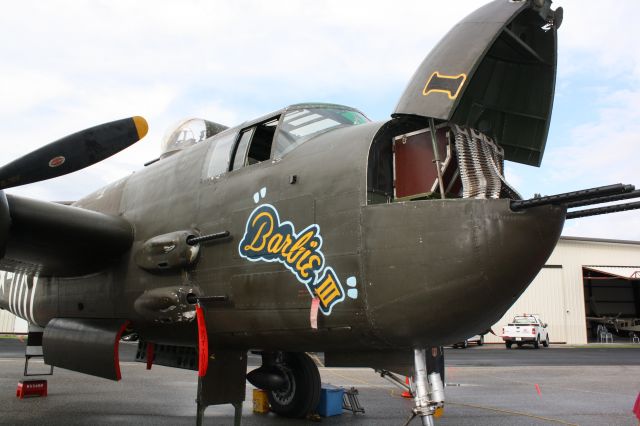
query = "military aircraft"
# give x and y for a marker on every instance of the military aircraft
(623, 327)
(308, 229)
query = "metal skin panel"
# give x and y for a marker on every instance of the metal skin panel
(225, 379)
(161, 196)
(400, 362)
(458, 53)
(89, 346)
(106, 200)
(86, 297)
(278, 291)
(453, 257)
(494, 71)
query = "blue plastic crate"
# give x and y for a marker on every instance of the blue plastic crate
(330, 400)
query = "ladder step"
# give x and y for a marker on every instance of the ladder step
(350, 401)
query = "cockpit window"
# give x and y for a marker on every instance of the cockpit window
(219, 155)
(298, 126)
(255, 143)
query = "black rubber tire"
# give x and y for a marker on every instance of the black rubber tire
(481, 341)
(465, 344)
(546, 341)
(508, 345)
(536, 343)
(302, 394)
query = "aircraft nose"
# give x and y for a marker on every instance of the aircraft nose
(439, 271)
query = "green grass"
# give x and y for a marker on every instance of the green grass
(11, 336)
(606, 345)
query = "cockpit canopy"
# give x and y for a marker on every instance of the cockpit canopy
(271, 136)
(188, 132)
(304, 121)
(274, 135)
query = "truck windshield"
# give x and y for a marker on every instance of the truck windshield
(300, 125)
(525, 321)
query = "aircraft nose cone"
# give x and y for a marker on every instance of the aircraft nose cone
(441, 271)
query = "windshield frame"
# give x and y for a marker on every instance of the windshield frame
(301, 114)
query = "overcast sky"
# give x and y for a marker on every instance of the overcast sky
(69, 65)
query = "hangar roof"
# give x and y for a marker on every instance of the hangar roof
(626, 272)
(599, 240)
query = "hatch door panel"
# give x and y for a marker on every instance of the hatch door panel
(495, 72)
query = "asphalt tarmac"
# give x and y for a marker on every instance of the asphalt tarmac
(486, 385)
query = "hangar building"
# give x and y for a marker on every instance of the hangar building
(11, 324)
(584, 277)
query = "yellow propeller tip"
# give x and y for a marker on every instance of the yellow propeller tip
(141, 126)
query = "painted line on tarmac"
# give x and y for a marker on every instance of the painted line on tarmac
(462, 385)
(397, 393)
(552, 386)
(344, 376)
(516, 413)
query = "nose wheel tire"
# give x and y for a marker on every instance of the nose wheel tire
(301, 394)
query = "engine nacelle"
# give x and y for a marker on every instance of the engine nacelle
(5, 223)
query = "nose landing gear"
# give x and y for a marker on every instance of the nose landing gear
(429, 390)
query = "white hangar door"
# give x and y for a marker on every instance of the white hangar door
(6, 322)
(545, 296)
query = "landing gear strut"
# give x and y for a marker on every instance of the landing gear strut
(429, 392)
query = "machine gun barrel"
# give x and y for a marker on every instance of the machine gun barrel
(604, 210)
(600, 200)
(574, 196)
(193, 240)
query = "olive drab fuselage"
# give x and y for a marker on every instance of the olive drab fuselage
(305, 230)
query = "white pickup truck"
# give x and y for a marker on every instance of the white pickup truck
(526, 328)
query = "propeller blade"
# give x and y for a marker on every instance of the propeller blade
(73, 152)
